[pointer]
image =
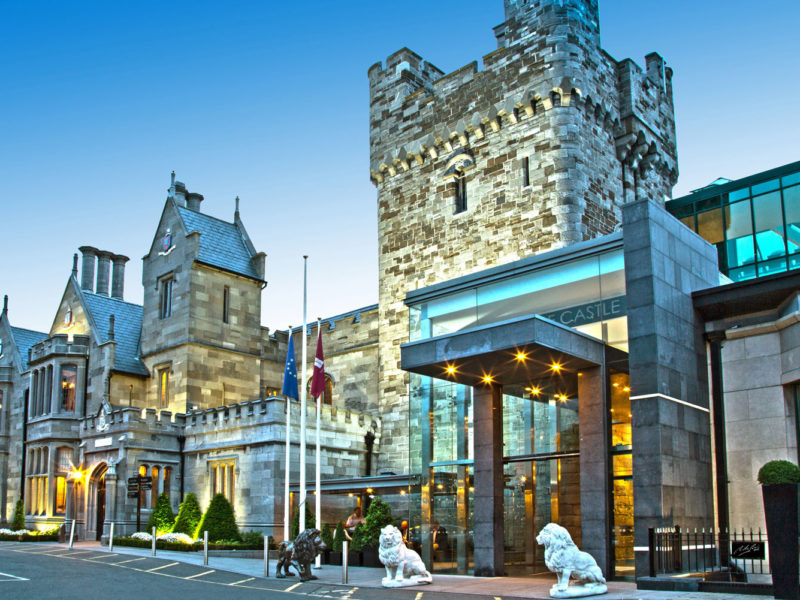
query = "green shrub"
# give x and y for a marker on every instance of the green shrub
(379, 515)
(18, 522)
(779, 471)
(310, 520)
(253, 538)
(162, 517)
(327, 536)
(357, 539)
(219, 521)
(189, 515)
(338, 537)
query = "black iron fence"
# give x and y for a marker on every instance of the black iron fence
(734, 554)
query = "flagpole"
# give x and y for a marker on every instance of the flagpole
(319, 490)
(302, 504)
(288, 462)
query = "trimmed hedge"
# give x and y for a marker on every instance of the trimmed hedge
(162, 517)
(379, 515)
(18, 522)
(50, 535)
(779, 471)
(189, 515)
(178, 547)
(219, 521)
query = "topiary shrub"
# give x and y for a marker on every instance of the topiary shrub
(18, 522)
(379, 515)
(294, 531)
(338, 537)
(162, 517)
(327, 536)
(779, 471)
(219, 520)
(189, 515)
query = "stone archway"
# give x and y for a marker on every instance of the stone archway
(96, 502)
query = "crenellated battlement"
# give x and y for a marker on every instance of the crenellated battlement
(59, 344)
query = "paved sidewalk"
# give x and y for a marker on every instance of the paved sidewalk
(365, 577)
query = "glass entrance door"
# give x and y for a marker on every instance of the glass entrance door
(538, 492)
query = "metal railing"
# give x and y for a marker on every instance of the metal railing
(736, 553)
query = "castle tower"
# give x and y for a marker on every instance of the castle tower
(538, 150)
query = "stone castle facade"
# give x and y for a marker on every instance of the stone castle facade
(476, 168)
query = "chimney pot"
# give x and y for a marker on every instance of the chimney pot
(103, 272)
(89, 256)
(180, 193)
(118, 276)
(193, 200)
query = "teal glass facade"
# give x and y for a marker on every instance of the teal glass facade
(753, 222)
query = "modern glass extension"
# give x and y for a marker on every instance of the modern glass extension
(753, 222)
(580, 289)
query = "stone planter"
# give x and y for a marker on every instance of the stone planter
(370, 557)
(780, 510)
(335, 557)
(353, 559)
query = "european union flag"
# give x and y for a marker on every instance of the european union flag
(290, 372)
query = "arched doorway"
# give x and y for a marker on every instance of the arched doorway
(96, 514)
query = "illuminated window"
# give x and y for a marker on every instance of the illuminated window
(226, 304)
(154, 471)
(165, 302)
(61, 494)
(223, 478)
(69, 375)
(143, 495)
(163, 387)
(36, 481)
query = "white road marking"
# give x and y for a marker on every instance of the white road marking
(199, 574)
(128, 561)
(296, 585)
(14, 577)
(418, 596)
(172, 564)
(242, 581)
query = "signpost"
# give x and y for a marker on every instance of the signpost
(137, 485)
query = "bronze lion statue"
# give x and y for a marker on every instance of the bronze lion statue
(299, 554)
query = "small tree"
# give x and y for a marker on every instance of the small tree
(189, 515)
(162, 517)
(327, 536)
(310, 520)
(338, 538)
(219, 520)
(379, 516)
(18, 522)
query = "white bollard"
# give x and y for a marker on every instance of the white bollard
(205, 548)
(266, 556)
(154, 541)
(72, 534)
(344, 561)
(111, 538)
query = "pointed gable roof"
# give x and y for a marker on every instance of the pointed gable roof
(222, 244)
(24, 340)
(127, 329)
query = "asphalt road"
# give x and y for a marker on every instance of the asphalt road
(42, 572)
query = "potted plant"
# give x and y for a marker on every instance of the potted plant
(367, 537)
(336, 547)
(327, 537)
(779, 479)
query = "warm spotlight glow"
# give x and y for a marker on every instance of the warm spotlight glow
(615, 384)
(556, 367)
(450, 369)
(487, 379)
(521, 356)
(402, 492)
(369, 490)
(626, 389)
(350, 494)
(439, 486)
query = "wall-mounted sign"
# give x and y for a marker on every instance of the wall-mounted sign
(591, 312)
(752, 550)
(166, 243)
(102, 442)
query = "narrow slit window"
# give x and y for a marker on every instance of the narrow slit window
(165, 309)
(226, 304)
(461, 194)
(526, 172)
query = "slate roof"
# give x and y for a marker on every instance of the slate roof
(221, 243)
(127, 329)
(25, 339)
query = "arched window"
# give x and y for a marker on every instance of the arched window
(327, 394)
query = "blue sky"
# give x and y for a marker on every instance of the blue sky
(101, 100)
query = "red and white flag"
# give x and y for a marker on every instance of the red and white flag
(318, 378)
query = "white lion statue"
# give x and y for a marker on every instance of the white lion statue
(563, 558)
(403, 566)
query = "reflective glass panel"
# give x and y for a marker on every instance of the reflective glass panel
(710, 227)
(767, 186)
(791, 206)
(738, 233)
(769, 226)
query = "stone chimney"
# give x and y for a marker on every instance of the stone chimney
(180, 193)
(89, 255)
(103, 272)
(193, 200)
(118, 276)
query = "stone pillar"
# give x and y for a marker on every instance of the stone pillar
(595, 510)
(489, 530)
(111, 502)
(89, 255)
(103, 272)
(118, 276)
(671, 433)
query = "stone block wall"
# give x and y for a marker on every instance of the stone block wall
(550, 95)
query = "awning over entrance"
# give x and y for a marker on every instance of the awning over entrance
(511, 352)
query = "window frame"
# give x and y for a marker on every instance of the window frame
(461, 193)
(226, 304)
(165, 297)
